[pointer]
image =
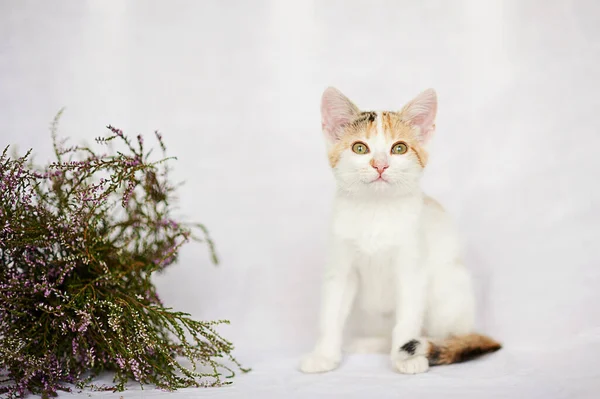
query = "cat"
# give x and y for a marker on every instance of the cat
(394, 256)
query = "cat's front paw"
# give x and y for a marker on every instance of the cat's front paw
(316, 362)
(412, 365)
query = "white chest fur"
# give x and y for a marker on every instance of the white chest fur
(376, 226)
(374, 231)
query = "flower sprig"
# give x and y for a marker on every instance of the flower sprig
(79, 242)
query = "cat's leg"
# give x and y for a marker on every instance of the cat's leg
(339, 290)
(450, 302)
(450, 311)
(410, 301)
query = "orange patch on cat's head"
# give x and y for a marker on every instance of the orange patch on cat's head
(364, 127)
(396, 129)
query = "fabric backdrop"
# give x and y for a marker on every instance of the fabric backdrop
(234, 86)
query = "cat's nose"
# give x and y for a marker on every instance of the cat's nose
(379, 165)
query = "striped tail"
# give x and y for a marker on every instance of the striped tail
(451, 350)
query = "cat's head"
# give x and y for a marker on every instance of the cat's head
(377, 152)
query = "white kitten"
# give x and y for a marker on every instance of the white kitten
(394, 255)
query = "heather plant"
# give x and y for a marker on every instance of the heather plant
(80, 240)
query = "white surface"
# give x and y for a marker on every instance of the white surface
(235, 87)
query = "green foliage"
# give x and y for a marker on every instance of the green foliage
(79, 242)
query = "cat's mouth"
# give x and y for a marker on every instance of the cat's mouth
(380, 178)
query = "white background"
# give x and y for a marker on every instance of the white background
(234, 86)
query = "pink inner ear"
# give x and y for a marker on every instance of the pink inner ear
(336, 112)
(421, 112)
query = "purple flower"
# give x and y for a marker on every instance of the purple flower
(75, 273)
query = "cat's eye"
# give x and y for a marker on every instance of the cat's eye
(399, 148)
(360, 148)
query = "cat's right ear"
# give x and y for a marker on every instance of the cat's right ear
(336, 112)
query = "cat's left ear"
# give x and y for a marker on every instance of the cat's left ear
(337, 111)
(420, 114)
